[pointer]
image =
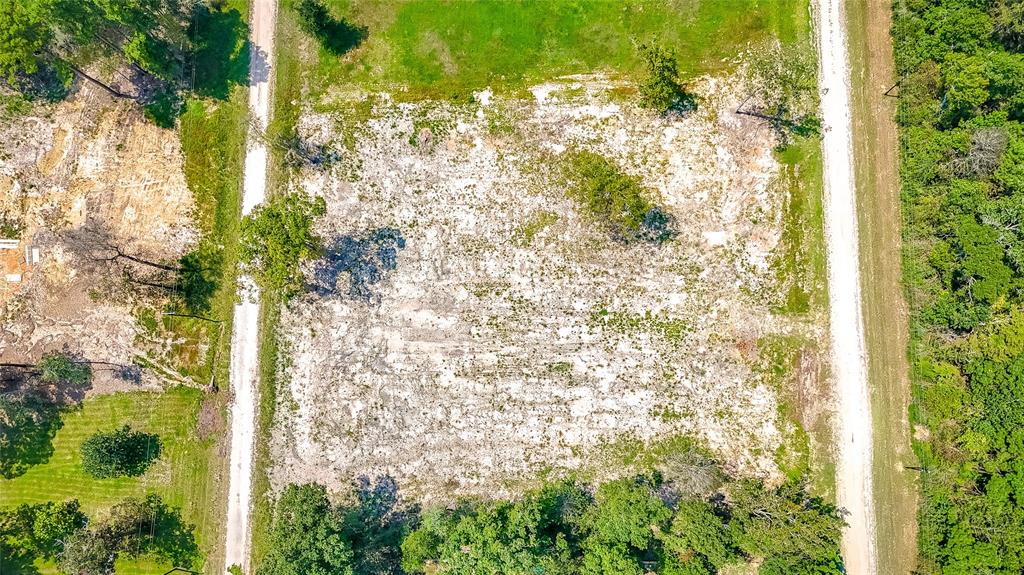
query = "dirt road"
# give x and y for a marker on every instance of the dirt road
(245, 338)
(849, 365)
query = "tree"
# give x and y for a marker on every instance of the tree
(54, 524)
(23, 36)
(277, 237)
(698, 530)
(306, 535)
(63, 368)
(785, 522)
(87, 553)
(119, 453)
(966, 83)
(661, 89)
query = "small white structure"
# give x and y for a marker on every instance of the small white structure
(9, 244)
(32, 255)
(13, 278)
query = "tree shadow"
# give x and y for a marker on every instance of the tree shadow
(220, 51)
(148, 526)
(365, 259)
(27, 428)
(198, 279)
(336, 35)
(377, 524)
(15, 561)
(173, 538)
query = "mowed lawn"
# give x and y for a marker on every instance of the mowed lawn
(181, 475)
(448, 47)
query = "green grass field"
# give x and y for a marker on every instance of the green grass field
(441, 48)
(181, 476)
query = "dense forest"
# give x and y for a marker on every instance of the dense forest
(961, 71)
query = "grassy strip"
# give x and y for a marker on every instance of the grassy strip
(431, 49)
(287, 93)
(878, 208)
(270, 315)
(182, 476)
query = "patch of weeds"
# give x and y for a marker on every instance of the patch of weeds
(559, 367)
(618, 201)
(500, 124)
(13, 106)
(429, 127)
(671, 329)
(11, 225)
(147, 319)
(669, 413)
(538, 221)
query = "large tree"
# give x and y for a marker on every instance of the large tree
(277, 236)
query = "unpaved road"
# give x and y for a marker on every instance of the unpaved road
(245, 336)
(849, 366)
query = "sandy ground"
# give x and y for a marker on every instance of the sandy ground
(853, 481)
(245, 336)
(91, 162)
(487, 355)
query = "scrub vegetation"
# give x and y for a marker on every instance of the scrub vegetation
(962, 153)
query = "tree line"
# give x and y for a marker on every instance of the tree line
(63, 534)
(961, 119)
(631, 526)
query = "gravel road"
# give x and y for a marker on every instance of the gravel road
(245, 336)
(849, 360)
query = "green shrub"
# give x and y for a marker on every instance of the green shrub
(661, 89)
(123, 452)
(618, 201)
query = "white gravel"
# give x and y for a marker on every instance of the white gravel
(849, 358)
(245, 337)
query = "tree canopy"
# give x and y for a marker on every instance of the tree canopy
(962, 167)
(277, 236)
(630, 526)
(119, 453)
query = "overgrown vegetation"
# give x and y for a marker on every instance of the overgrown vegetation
(277, 236)
(618, 201)
(962, 160)
(632, 526)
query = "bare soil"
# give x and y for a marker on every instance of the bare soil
(511, 335)
(88, 161)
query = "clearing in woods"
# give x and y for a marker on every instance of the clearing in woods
(488, 332)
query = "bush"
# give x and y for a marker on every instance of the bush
(64, 368)
(618, 201)
(119, 453)
(661, 90)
